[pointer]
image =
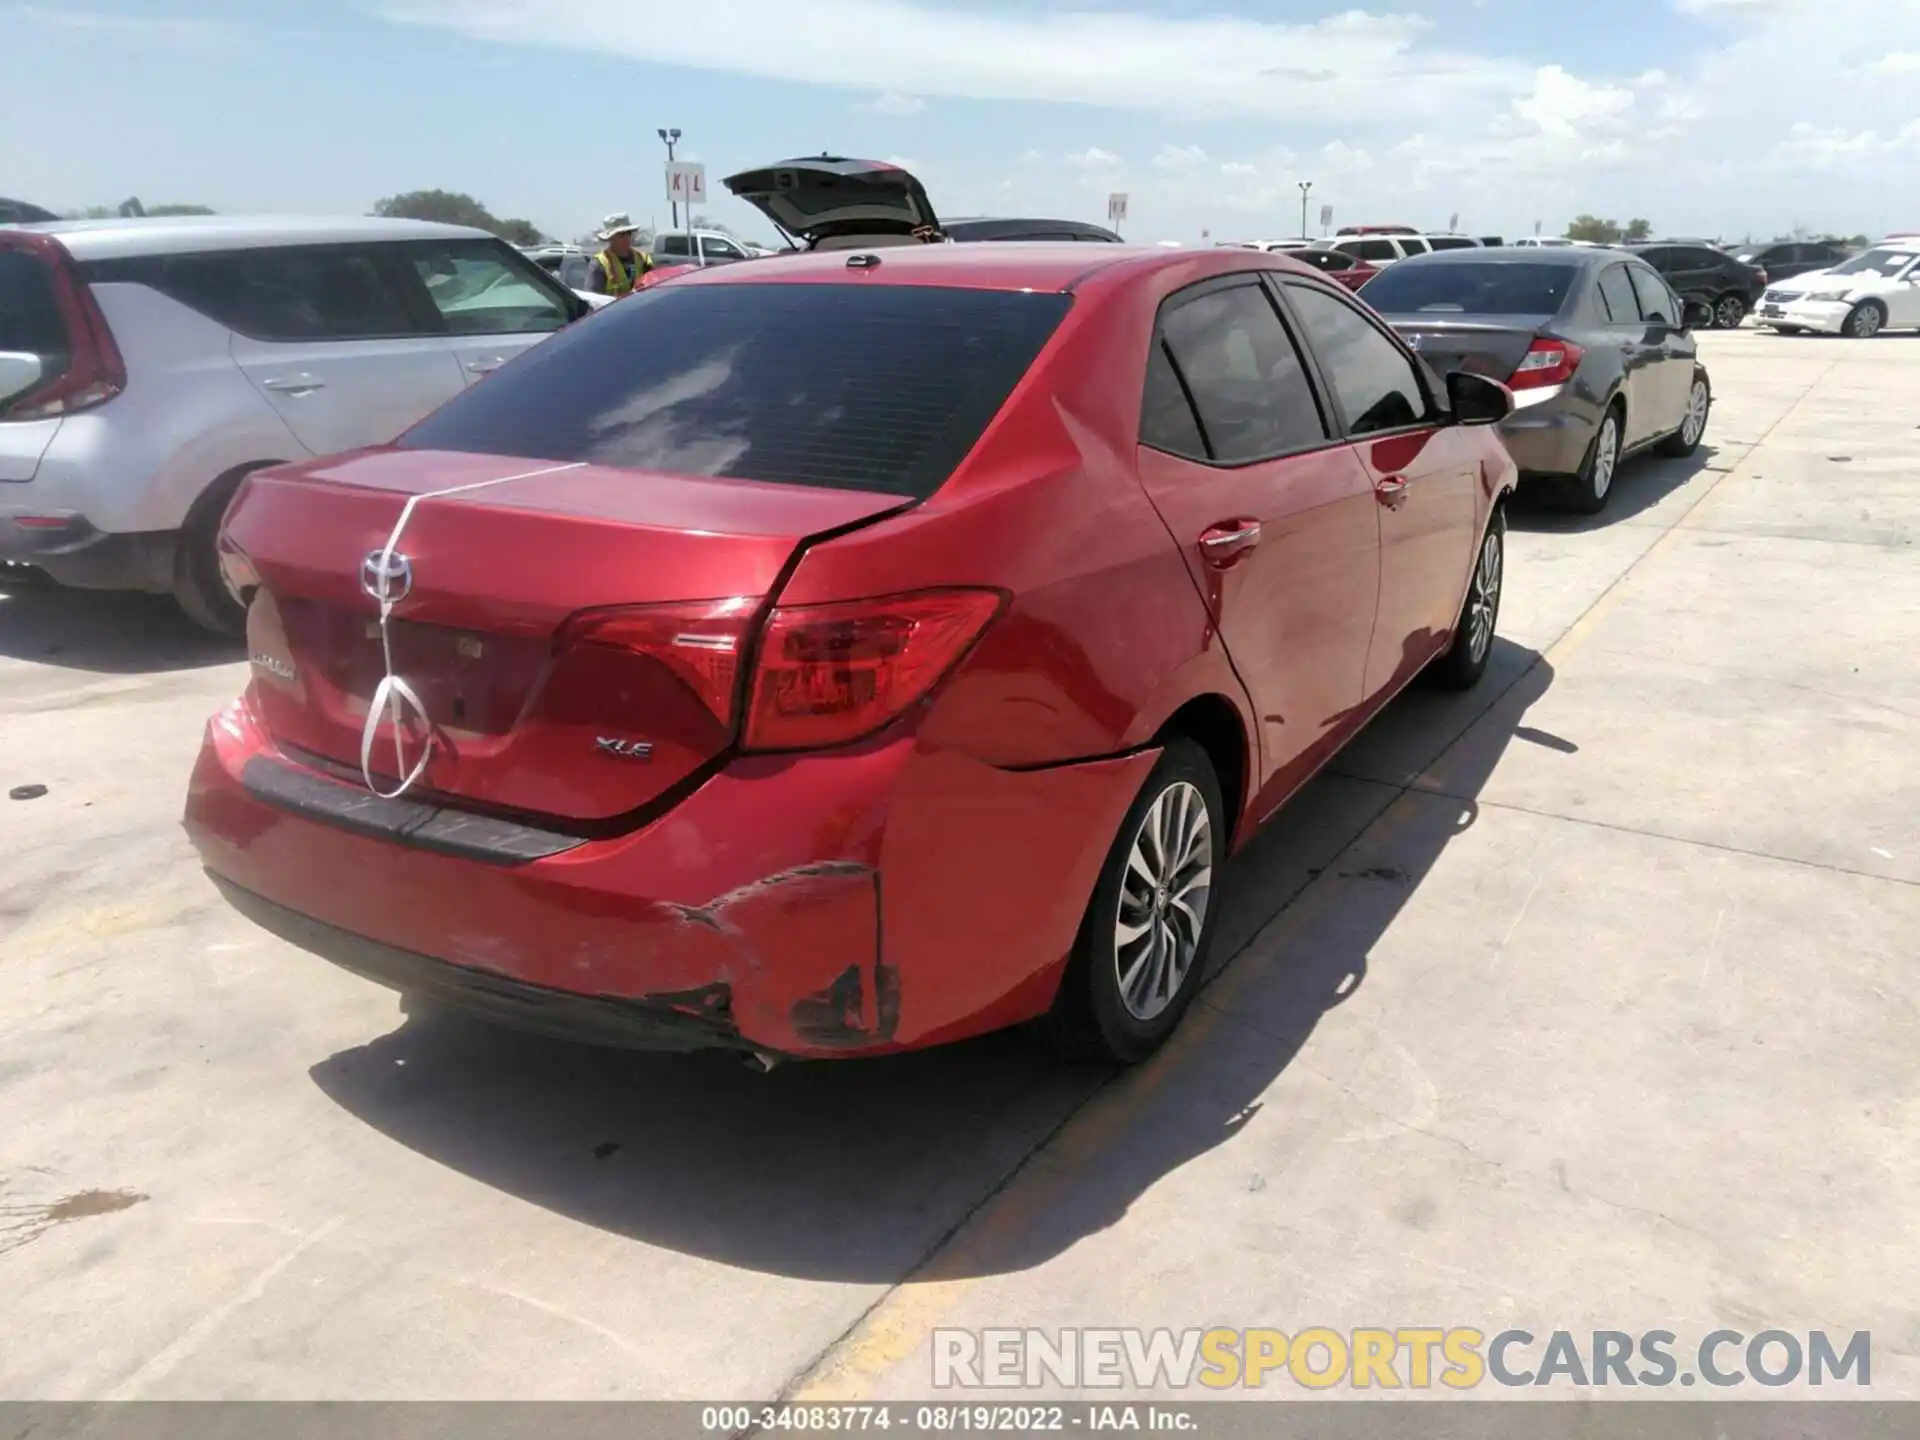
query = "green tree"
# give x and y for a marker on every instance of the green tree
(1639, 231)
(1593, 228)
(452, 208)
(180, 210)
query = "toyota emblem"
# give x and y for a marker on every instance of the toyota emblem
(387, 577)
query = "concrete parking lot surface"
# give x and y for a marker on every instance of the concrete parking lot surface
(1585, 1001)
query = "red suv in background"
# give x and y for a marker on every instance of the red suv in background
(847, 654)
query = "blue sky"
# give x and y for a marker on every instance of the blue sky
(1714, 117)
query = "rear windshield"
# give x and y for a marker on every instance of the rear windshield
(29, 315)
(1488, 287)
(853, 387)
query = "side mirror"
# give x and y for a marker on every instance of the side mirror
(20, 371)
(1476, 400)
(1693, 314)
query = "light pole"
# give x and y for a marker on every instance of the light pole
(1305, 186)
(667, 138)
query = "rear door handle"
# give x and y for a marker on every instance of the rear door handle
(1391, 492)
(487, 365)
(295, 385)
(1226, 542)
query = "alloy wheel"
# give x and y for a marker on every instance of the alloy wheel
(1483, 604)
(1163, 900)
(1864, 323)
(1606, 456)
(1696, 421)
(1729, 312)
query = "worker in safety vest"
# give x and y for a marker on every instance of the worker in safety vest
(615, 269)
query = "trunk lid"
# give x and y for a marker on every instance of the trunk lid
(1492, 346)
(574, 634)
(828, 196)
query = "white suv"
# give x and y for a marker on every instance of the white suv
(146, 366)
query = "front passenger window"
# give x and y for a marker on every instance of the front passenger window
(480, 290)
(1377, 385)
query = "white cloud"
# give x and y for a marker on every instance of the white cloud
(1703, 143)
(894, 102)
(1179, 157)
(1208, 66)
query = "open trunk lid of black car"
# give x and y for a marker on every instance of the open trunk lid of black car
(820, 197)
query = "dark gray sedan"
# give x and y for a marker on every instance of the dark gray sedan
(1596, 348)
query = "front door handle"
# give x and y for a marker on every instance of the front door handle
(1391, 492)
(1226, 542)
(486, 365)
(294, 385)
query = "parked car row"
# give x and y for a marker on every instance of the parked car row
(1594, 343)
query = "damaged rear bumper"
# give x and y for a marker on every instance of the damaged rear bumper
(881, 898)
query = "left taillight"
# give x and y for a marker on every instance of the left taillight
(1547, 362)
(90, 370)
(831, 674)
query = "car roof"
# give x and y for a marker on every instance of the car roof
(186, 234)
(989, 265)
(1570, 257)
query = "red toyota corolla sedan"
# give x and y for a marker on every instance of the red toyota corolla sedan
(847, 655)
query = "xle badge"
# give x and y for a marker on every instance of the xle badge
(624, 749)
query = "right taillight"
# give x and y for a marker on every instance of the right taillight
(94, 372)
(830, 674)
(1547, 362)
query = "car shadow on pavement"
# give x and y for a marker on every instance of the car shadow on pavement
(107, 632)
(867, 1171)
(1641, 483)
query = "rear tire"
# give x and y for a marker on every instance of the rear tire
(1865, 320)
(1144, 941)
(197, 586)
(1684, 441)
(1465, 661)
(1588, 492)
(1729, 311)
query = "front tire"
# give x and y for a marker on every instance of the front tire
(1465, 661)
(1589, 491)
(1144, 941)
(1865, 320)
(1729, 311)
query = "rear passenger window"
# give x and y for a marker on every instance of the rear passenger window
(1246, 378)
(1371, 250)
(1166, 415)
(1656, 301)
(1376, 383)
(316, 292)
(1616, 295)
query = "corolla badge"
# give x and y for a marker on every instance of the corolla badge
(387, 577)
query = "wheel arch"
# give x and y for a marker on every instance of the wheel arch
(1214, 723)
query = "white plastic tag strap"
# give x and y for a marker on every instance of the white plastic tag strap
(393, 697)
